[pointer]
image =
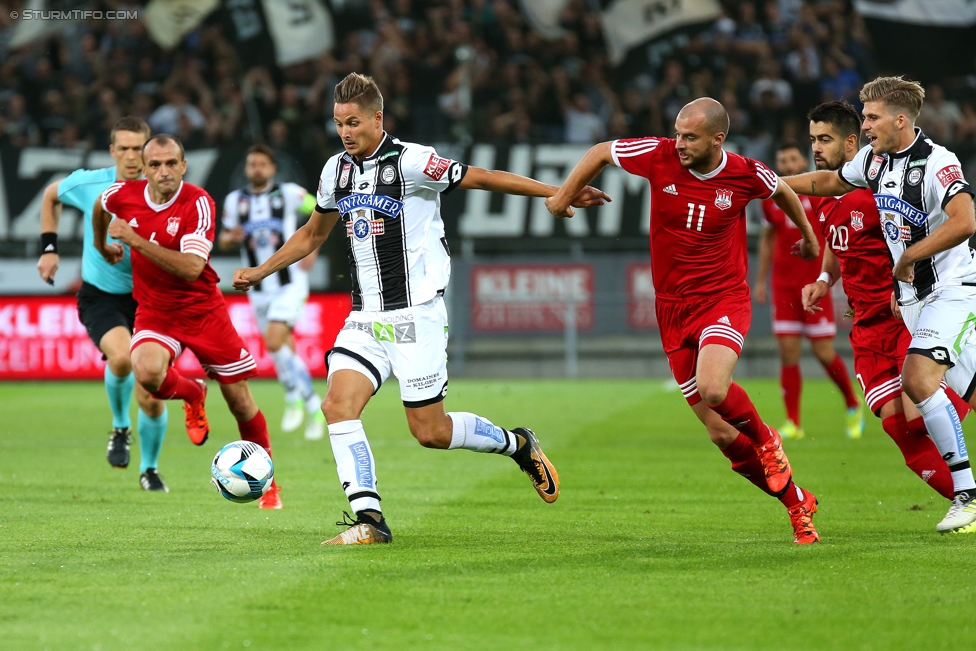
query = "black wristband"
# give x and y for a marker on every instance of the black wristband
(49, 243)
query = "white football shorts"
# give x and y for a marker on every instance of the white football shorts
(284, 305)
(943, 327)
(410, 343)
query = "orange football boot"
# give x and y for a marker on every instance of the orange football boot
(271, 499)
(801, 516)
(776, 466)
(195, 417)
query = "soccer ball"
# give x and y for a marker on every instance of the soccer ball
(242, 471)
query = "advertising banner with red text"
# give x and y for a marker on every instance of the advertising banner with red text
(517, 298)
(42, 339)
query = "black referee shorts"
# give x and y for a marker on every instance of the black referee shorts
(100, 311)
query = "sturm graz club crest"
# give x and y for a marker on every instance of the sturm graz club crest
(723, 199)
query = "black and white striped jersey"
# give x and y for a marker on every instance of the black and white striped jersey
(390, 205)
(911, 189)
(269, 218)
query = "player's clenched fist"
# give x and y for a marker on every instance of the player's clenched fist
(246, 278)
(120, 230)
(809, 249)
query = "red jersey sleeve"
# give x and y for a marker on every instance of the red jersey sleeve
(765, 180)
(199, 230)
(634, 154)
(768, 213)
(109, 201)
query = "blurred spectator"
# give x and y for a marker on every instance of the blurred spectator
(19, 129)
(166, 119)
(940, 118)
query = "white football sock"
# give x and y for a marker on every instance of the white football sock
(479, 434)
(303, 378)
(283, 369)
(355, 464)
(942, 422)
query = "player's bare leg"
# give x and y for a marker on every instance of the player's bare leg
(119, 381)
(714, 377)
(433, 428)
(800, 504)
(253, 427)
(823, 350)
(300, 396)
(791, 383)
(921, 380)
(151, 363)
(898, 419)
(345, 399)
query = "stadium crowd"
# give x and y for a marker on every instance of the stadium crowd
(460, 70)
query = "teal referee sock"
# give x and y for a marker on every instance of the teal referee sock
(119, 390)
(152, 431)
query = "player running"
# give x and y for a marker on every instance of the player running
(387, 194)
(169, 228)
(260, 217)
(698, 263)
(857, 254)
(105, 304)
(790, 320)
(926, 209)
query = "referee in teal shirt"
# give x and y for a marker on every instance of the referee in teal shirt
(105, 304)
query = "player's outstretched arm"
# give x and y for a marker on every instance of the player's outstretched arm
(822, 183)
(959, 226)
(306, 239)
(48, 264)
(478, 178)
(590, 165)
(789, 203)
(100, 223)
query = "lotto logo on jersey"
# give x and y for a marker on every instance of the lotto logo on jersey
(723, 199)
(172, 225)
(949, 174)
(436, 167)
(857, 220)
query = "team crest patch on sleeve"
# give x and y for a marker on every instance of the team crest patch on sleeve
(949, 174)
(876, 163)
(344, 176)
(436, 166)
(723, 199)
(857, 220)
(173, 225)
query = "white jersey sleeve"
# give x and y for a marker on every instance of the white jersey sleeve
(429, 171)
(229, 218)
(945, 179)
(853, 170)
(325, 195)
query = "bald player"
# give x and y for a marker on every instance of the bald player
(698, 262)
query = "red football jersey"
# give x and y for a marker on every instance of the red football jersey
(791, 272)
(851, 227)
(698, 235)
(185, 223)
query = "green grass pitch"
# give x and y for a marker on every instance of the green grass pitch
(653, 544)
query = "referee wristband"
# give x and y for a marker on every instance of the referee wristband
(49, 243)
(827, 278)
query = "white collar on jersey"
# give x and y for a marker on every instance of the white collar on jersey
(715, 172)
(161, 206)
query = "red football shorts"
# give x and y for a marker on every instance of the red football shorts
(689, 324)
(880, 344)
(211, 336)
(789, 317)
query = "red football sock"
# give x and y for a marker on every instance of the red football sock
(920, 452)
(746, 462)
(738, 411)
(177, 387)
(256, 431)
(790, 496)
(791, 382)
(837, 370)
(962, 407)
